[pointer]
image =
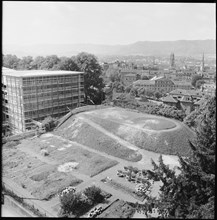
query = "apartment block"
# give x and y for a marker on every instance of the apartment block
(35, 94)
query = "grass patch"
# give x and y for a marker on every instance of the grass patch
(91, 137)
(119, 209)
(165, 142)
(43, 181)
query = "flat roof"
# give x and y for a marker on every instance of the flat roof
(31, 73)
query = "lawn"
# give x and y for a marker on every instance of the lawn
(85, 134)
(42, 180)
(163, 142)
(89, 163)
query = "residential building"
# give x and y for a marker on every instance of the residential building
(35, 94)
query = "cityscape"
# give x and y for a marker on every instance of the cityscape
(107, 116)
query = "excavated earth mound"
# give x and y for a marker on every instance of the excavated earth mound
(145, 131)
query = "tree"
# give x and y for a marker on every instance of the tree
(49, 123)
(94, 194)
(195, 78)
(71, 203)
(50, 62)
(10, 61)
(157, 94)
(93, 83)
(25, 63)
(66, 63)
(199, 83)
(149, 93)
(190, 194)
(37, 62)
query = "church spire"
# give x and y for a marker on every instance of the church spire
(202, 64)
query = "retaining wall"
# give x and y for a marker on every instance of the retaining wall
(9, 201)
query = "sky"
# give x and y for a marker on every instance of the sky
(106, 22)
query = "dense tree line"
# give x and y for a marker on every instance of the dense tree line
(88, 63)
(191, 193)
(129, 101)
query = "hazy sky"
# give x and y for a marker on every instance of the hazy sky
(106, 23)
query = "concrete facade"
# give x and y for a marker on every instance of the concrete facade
(36, 94)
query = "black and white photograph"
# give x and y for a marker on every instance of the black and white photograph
(108, 109)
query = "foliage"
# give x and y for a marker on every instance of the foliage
(71, 203)
(199, 83)
(193, 119)
(94, 194)
(127, 101)
(49, 123)
(11, 61)
(195, 78)
(191, 193)
(157, 95)
(93, 83)
(79, 203)
(25, 63)
(66, 63)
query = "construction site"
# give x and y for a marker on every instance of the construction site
(32, 95)
(89, 148)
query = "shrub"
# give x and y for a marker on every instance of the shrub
(71, 203)
(94, 194)
(49, 123)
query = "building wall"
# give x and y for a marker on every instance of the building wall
(40, 96)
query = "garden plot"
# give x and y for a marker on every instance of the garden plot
(159, 135)
(42, 180)
(93, 138)
(88, 163)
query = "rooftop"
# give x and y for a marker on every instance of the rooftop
(29, 73)
(144, 82)
(186, 92)
(169, 98)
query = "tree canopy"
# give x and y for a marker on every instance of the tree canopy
(93, 82)
(190, 194)
(195, 78)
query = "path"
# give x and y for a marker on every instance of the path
(101, 129)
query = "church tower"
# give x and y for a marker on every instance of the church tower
(202, 64)
(172, 60)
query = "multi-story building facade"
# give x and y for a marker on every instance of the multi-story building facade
(163, 84)
(35, 94)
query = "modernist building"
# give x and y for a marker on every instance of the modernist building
(35, 94)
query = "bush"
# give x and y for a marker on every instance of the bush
(71, 203)
(49, 123)
(94, 194)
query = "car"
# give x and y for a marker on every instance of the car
(121, 174)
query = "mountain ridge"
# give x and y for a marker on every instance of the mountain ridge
(146, 48)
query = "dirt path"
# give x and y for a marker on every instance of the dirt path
(98, 127)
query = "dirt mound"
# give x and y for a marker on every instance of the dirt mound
(93, 138)
(149, 132)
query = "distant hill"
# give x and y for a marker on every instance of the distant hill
(146, 48)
